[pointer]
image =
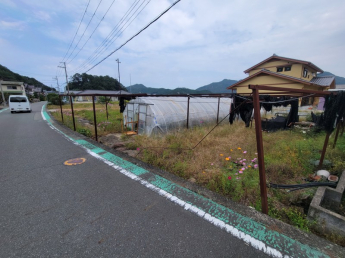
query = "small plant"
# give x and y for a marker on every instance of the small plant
(84, 131)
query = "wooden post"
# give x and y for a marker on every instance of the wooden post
(70, 99)
(61, 108)
(324, 150)
(188, 113)
(260, 149)
(94, 117)
(106, 106)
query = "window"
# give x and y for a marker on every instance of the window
(279, 69)
(11, 87)
(18, 99)
(287, 68)
(305, 72)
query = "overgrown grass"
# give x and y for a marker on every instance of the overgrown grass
(84, 118)
(225, 162)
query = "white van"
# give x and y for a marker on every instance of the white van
(19, 103)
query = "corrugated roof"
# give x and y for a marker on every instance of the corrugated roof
(323, 81)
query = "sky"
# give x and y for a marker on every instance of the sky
(195, 43)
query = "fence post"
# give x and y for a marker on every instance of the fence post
(260, 149)
(218, 110)
(61, 108)
(94, 117)
(188, 113)
(70, 99)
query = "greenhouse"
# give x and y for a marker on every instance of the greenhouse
(157, 115)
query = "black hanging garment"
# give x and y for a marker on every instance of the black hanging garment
(122, 104)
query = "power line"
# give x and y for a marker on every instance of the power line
(77, 30)
(135, 35)
(116, 31)
(85, 30)
(93, 31)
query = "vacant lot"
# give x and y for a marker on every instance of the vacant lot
(226, 160)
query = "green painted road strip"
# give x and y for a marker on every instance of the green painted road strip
(4, 109)
(245, 228)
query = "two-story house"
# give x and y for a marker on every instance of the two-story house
(12, 87)
(283, 72)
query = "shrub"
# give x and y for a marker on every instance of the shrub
(54, 99)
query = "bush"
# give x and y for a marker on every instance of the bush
(54, 99)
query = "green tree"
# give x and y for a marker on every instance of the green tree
(91, 82)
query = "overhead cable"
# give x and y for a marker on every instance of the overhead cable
(134, 35)
(115, 31)
(85, 30)
(77, 30)
(92, 32)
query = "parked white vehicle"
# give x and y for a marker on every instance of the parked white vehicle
(19, 103)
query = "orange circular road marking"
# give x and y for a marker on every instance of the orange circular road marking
(76, 161)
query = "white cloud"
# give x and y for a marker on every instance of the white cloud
(193, 44)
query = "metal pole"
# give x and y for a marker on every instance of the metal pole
(61, 108)
(94, 117)
(70, 99)
(260, 149)
(324, 150)
(188, 113)
(336, 134)
(218, 110)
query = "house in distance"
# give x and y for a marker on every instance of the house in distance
(284, 72)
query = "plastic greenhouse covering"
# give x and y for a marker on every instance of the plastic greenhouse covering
(164, 114)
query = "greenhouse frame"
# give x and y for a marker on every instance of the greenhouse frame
(160, 115)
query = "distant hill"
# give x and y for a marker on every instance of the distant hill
(140, 88)
(218, 87)
(7, 75)
(338, 79)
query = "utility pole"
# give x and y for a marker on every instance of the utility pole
(118, 68)
(57, 82)
(66, 75)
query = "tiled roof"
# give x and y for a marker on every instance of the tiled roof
(274, 56)
(286, 76)
(323, 81)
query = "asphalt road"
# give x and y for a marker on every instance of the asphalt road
(48, 209)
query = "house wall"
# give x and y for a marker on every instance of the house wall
(269, 81)
(296, 69)
(20, 90)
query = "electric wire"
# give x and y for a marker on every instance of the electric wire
(121, 30)
(77, 30)
(84, 30)
(109, 38)
(148, 25)
(115, 33)
(92, 32)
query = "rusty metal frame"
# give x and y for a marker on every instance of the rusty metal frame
(261, 158)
